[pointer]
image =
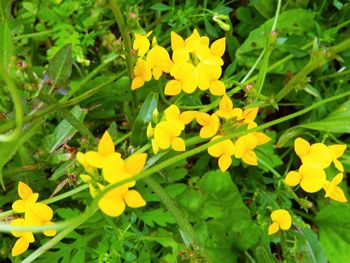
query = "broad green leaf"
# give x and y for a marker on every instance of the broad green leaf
(160, 7)
(60, 66)
(63, 132)
(6, 46)
(138, 133)
(333, 222)
(265, 7)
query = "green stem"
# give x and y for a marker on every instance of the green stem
(17, 105)
(35, 35)
(314, 64)
(181, 220)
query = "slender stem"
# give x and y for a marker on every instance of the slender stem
(276, 15)
(35, 35)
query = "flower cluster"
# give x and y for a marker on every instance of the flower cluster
(114, 169)
(35, 214)
(281, 219)
(166, 133)
(311, 174)
(193, 64)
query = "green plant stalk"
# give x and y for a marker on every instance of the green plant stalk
(181, 220)
(17, 105)
(35, 35)
(171, 161)
(314, 64)
(69, 117)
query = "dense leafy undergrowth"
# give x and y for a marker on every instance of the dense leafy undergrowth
(178, 131)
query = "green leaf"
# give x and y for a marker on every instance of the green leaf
(263, 255)
(157, 216)
(60, 66)
(6, 46)
(138, 133)
(265, 7)
(63, 132)
(160, 7)
(333, 222)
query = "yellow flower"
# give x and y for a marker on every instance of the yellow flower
(121, 170)
(82, 160)
(24, 237)
(249, 116)
(141, 43)
(310, 176)
(165, 135)
(245, 144)
(185, 78)
(333, 191)
(142, 73)
(226, 109)
(28, 198)
(317, 153)
(337, 150)
(208, 78)
(210, 124)
(105, 154)
(222, 150)
(159, 61)
(113, 202)
(281, 219)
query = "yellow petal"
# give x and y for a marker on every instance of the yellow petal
(250, 114)
(250, 158)
(217, 88)
(173, 88)
(216, 150)
(338, 195)
(187, 116)
(262, 138)
(135, 163)
(319, 154)
(18, 222)
(20, 246)
(24, 191)
(337, 150)
(155, 146)
(338, 165)
(38, 213)
(51, 232)
(313, 178)
(218, 47)
(19, 206)
(137, 82)
(282, 217)
(161, 135)
(178, 144)
(112, 206)
(301, 147)
(115, 172)
(207, 132)
(180, 56)
(134, 199)
(292, 179)
(273, 228)
(106, 145)
(225, 162)
(172, 112)
(177, 41)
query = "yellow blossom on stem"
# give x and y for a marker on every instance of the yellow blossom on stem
(28, 198)
(185, 78)
(82, 160)
(337, 150)
(222, 150)
(249, 116)
(105, 154)
(226, 110)
(333, 191)
(24, 237)
(121, 170)
(159, 61)
(141, 43)
(245, 145)
(113, 202)
(281, 219)
(210, 124)
(142, 73)
(167, 135)
(310, 176)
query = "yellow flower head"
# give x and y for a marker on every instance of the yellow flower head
(159, 61)
(141, 43)
(249, 116)
(281, 219)
(317, 153)
(245, 144)
(105, 154)
(210, 124)
(121, 170)
(24, 237)
(82, 160)
(167, 134)
(226, 109)
(185, 78)
(28, 198)
(333, 191)
(222, 150)
(142, 73)
(337, 150)
(310, 176)
(113, 202)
